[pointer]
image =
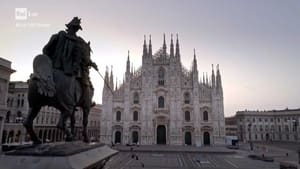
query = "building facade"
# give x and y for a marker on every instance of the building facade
(44, 123)
(230, 126)
(272, 125)
(5, 72)
(163, 103)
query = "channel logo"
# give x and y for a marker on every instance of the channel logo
(21, 13)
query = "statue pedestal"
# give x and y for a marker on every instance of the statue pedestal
(73, 155)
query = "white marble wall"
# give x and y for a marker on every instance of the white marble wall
(176, 82)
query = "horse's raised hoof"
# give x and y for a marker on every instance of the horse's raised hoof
(93, 104)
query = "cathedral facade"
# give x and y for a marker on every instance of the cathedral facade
(163, 103)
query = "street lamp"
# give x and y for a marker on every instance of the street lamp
(295, 128)
(273, 135)
(295, 125)
(250, 142)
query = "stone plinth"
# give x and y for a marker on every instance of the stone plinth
(74, 155)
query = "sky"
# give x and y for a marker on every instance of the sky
(256, 43)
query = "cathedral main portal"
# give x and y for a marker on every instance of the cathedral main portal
(161, 134)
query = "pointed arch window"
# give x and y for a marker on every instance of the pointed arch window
(161, 102)
(205, 116)
(187, 116)
(135, 116)
(118, 116)
(161, 76)
(187, 98)
(136, 98)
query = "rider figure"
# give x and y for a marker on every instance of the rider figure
(61, 49)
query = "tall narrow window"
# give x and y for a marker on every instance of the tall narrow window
(135, 116)
(205, 116)
(161, 76)
(7, 118)
(187, 98)
(11, 102)
(187, 116)
(7, 102)
(135, 98)
(118, 116)
(19, 117)
(22, 102)
(161, 102)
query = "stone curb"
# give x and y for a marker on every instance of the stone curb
(177, 151)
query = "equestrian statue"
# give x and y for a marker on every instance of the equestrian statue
(60, 79)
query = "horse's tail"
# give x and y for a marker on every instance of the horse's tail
(43, 74)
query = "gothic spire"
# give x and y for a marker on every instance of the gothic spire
(164, 45)
(218, 79)
(106, 76)
(116, 83)
(145, 47)
(150, 46)
(206, 79)
(177, 54)
(172, 47)
(128, 64)
(106, 84)
(194, 61)
(213, 78)
(111, 80)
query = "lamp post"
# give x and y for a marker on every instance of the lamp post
(272, 132)
(250, 142)
(295, 126)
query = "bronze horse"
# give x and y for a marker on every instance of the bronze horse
(51, 87)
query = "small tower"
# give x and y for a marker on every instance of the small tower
(106, 81)
(128, 63)
(218, 110)
(116, 88)
(150, 47)
(106, 88)
(213, 78)
(144, 47)
(195, 70)
(177, 53)
(203, 79)
(164, 45)
(147, 54)
(195, 62)
(207, 79)
(219, 82)
(111, 79)
(172, 47)
(127, 73)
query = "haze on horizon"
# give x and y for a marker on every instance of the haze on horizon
(256, 43)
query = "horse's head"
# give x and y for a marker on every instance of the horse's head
(83, 50)
(87, 48)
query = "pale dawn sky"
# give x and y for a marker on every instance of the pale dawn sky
(256, 43)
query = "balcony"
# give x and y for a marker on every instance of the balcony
(161, 110)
